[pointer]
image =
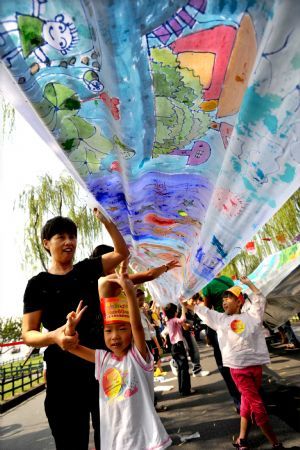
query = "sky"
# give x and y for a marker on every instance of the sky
(20, 165)
(24, 157)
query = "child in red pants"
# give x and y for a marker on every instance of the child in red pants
(244, 351)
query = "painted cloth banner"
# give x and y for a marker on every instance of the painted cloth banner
(278, 277)
(180, 117)
(273, 269)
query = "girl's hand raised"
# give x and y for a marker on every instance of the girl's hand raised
(73, 319)
(123, 279)
(245, 280)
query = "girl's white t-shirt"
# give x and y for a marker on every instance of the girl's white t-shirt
(128, 419)
(241, 337)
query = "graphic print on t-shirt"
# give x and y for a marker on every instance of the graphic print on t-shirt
(116, 384)
(237, 326)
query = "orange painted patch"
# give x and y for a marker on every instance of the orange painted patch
(202, 65)
(210, 105)
(112, 382)
(237, 326)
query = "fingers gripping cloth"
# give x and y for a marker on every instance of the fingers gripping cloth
(114, 310)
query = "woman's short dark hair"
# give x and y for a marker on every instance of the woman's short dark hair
(58, 225)
(100, 250)
(139, 292)
(170, 310)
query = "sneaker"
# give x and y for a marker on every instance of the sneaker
(161, 408)
(202, 373)
(186, 394)
(173, 366)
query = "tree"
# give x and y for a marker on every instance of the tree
(49, 199)
(10, 329)
(278, 233)
(8, 117)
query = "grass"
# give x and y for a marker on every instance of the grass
(36, 378)
(18, 386)
(36, 359)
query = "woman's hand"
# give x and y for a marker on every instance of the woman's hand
(111, 285)
(100, 216)
(63, 341)
(172, 264)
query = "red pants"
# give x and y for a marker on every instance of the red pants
(248, 381)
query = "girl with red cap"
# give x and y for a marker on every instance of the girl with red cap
(125, 373)
(244, 351)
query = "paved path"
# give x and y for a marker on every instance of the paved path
(209, 412)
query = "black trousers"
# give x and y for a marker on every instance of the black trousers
(70, 400)
(183, 376)
(225, 371)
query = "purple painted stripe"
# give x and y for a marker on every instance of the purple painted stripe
(175, 26)
(186, 18)
(162, 34)
(200, 5)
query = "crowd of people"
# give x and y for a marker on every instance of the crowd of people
(100, 361)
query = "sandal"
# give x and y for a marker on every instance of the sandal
(241, 444)
(292, 346)
(161, 408)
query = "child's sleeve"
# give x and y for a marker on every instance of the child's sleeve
(257, 308)
(100, 355)
(179, 320)
(210, 317)
(146, 364)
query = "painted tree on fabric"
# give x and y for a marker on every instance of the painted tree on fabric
(49, 199)
(82, 141)
(178, 93)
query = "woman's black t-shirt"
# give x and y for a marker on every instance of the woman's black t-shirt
(57, 295)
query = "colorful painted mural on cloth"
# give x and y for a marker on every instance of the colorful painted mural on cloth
(278, 277)
(273, 269)
(180, 117)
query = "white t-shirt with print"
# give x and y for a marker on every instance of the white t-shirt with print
(128, 420)
(240, 336)
(147, 327)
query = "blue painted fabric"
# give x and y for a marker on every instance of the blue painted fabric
(180, 117)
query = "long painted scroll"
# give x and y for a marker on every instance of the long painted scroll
(180, 117)
(278, 277)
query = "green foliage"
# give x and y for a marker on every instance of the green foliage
(84, 144)
(49, 199)
(10, 329)
(178, 93)
(285, 222)
(8, 118)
